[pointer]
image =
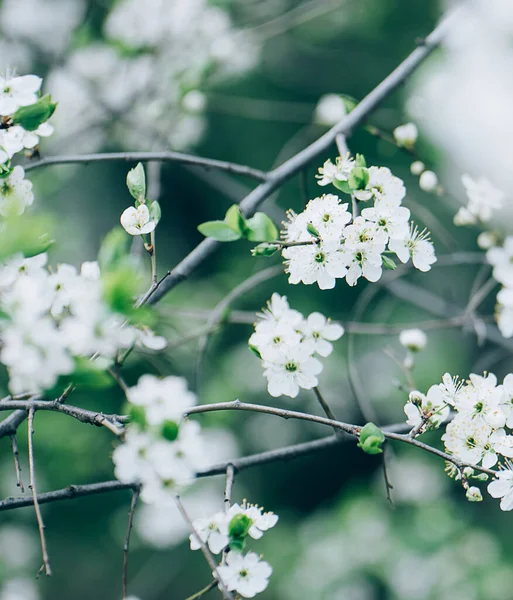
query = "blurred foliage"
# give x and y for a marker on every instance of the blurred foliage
(347, 48)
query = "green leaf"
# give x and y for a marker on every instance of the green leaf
(238, 527)
(136, 182)
(264, 249)
(120, 288)
(343, 186)
(371, 439)
(219, 230)
(136, 413)
(255, 351)
(358, 178)
(28, 235)
(169, 430)
(261, 228)
(349, 102)
(114, 250)
(155, 211)
(31, 117)
(88, 374)
(360, 161)
(235, 220)
(312, 230)
(388, 263)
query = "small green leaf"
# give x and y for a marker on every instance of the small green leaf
(136, 413)
(360, 161)
(89, 374)
(264, 249)
(114, 250)
(343, 186)
(371, 439)
(255, 351)
(169, 430)
(136, 182)
(388, 263)
(312, 230)
(261, 228)
(28, 235)
(155, 212)
(238, 527)
(120, 288)
(358, 178)
(32, 116)
(235, 220)
(349, 102)
(219, 230)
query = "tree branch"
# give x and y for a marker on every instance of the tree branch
(179, 157)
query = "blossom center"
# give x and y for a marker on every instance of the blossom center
(290, 366)
(320, 257)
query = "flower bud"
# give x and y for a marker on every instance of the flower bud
(330, 110)
(406, 135)
(413, 339)
(474, 494)
(428, 181)
(417, 167)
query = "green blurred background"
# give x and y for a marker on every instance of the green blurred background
(337, 538)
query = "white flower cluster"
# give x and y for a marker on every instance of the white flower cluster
(247, 574)
(501, 258)
(483, 200)
(16, 93)
(325, 242)
(287, 344)
(479, 433)
(140, 83)
(161, 451)
(53, 319)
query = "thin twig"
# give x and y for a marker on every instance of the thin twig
(202, 592)
(16, 455)
(153, 256)
(325, 407)
(32, 486)
(179, 157)
(133, 504)
(230, 475)
(389, 487)
(205, 550)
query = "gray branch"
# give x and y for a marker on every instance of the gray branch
(179, 157)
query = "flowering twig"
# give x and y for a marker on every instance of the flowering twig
(133, 504)
(205, 550)
(190, 159)
(15, 453)
(277, 177)
(32, 485)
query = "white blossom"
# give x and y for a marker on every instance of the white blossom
(248, 575)
(319, 331)
(406, 135)
(419, 406)
(17, 91)
(473, 494)
(415, 245)
(339, 171)
(290, 369)
(483, 198)
(330, 110)
(315, 263)
(502, 261)
(469, 441)
(260, 521)
(137, 221)
(163, 399)
(502, 487)
(428, 181)
(413, 339)
(211, 530)
(15, 193)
